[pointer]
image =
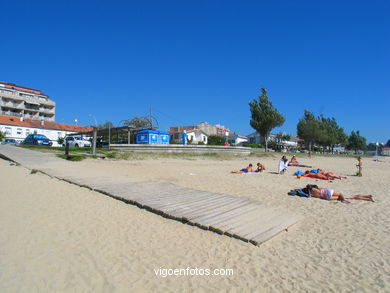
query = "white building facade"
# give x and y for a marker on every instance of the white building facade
(19, 128)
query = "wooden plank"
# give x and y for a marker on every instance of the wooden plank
(201, 205)
(276, 229)
(171, 200)
(277, 220)
(217, 219)
(197, 203)
(212, 211)
(251, 224)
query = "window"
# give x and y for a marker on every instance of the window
(27, 131)
(176, 136)
(8, 131)
(35, 132)
(19, 131)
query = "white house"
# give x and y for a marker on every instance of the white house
(18, 128)
(236, 139)
(196, 136)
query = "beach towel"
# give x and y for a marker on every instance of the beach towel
(282, 166)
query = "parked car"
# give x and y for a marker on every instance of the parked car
(37, 139)
(9, 141)
(76, 142)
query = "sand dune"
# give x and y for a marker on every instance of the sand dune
(59, 237)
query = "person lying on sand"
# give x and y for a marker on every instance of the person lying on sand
(294, 162)
(316, 175)
(330, 194)
(245, 170)
(260, 167)
(330, 174)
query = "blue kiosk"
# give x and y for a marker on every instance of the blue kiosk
(152, 137)
(163, 137)
(147, 137)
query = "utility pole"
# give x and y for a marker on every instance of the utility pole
(150, 117)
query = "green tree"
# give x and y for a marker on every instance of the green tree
(216, 140)
(107, 124)
(356, 142)
(308, 129)
(264, 116)
(138, 122)
(2, 136)
(330, 133)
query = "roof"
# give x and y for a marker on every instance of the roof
(15, 121)
(197, 131)
(22, 88)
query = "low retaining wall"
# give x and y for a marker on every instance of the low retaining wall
(173, 148)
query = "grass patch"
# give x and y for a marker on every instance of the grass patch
(73, 158)
(34, 171)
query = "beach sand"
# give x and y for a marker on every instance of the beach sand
(58, 237)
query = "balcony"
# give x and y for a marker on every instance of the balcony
(46, 110)
(10, 113)
(11, 105)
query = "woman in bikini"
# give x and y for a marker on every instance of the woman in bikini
(330, 194)
(330, 174)
(294, 162)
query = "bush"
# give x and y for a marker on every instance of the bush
(200, 143)
(60, 140)
(216, 140)
(252, 145)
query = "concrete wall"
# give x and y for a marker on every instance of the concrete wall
(197, 149)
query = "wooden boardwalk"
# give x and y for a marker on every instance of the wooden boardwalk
(238, 217)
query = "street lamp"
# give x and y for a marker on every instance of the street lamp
(94, 119)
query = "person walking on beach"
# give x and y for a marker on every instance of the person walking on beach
(359, 165)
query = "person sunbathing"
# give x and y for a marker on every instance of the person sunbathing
(294, 162)
(245, 170)
(316, 175)
(330, 194)
(260, 167)
(330, 174)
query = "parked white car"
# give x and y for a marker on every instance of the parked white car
(76, 142)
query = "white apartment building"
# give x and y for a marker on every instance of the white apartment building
(25, 102)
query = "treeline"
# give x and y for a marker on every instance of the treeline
(314, 130)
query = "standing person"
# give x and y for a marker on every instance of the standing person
(359, 165)
(283, 163)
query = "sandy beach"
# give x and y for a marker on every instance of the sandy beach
(58, 237)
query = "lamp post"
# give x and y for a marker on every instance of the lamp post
(376, 150)
(93, 116)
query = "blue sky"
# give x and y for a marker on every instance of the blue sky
(196, 61)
